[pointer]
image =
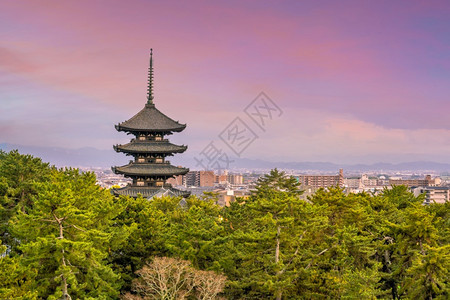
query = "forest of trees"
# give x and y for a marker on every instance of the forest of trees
(64, 237)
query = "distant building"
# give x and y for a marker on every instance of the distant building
(353, 183)
(433, 194)
(235, 179)
(415, 182)
(192, 178)
(199, 179)
(226, 197)
(322, 181)
(222, 178)
(207, 178)
(225, 178)
(365, 183)
(369, 182)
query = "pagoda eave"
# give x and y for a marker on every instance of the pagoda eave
(149, 192)
(165, 131)
(149, 170)
(150, 148)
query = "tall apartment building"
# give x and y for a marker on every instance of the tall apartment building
(224, 178)
(415, 182)
(433, 194)
(221, 179)
(207, 178)
(324, 181)
(192, 178)
(199, 178)
(236, 179)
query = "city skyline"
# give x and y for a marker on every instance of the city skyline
(356, 82)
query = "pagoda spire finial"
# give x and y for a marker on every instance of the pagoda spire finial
(150, 80)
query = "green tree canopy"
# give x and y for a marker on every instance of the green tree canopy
(69, 238)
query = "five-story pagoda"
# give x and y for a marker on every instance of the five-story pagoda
(149, 169)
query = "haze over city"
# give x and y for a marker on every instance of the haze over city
(357, 81)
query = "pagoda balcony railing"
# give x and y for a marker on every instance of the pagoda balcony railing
(165, 185)
(147, 140)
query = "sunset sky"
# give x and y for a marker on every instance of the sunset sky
(357, 81)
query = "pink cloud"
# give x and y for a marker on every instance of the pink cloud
(14, 62)
(366, 62)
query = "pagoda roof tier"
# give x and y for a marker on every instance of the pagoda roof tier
(148, 146)
(149, 192)
(150, 119)
(149, 169)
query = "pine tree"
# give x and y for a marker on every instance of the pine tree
(142, 231)
(65, 237)
(268, 230)
(342, 261)
(19, 176)
(15, 279)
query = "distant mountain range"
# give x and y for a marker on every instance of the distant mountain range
(92, 157)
